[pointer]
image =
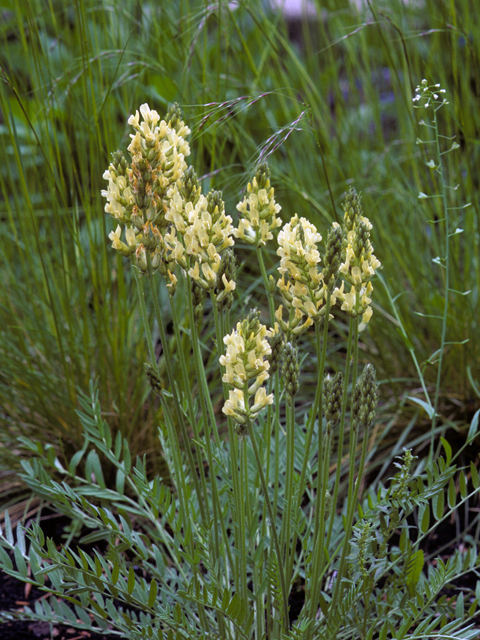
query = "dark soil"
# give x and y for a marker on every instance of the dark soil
(14, 595)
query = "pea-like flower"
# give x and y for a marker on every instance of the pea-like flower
(246, 369)
(258, 210)
(301, 284)
(137, 193)
(205, 233)
(358, 264)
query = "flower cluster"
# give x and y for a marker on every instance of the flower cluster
(429, 93)
(137, 192)
(359, 264)
(247, 366)
(200, 233)
(258, 210)
(301, 284)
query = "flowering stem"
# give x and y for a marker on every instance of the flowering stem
(143, 313)
(273, 529)
(171, 379)
(348, 529)
(242, 520)
(208, 416)
(271, 302)
(290, 470)
(447, 280)
(193, 421)
(341, 434)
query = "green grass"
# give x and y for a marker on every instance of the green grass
(331, 110)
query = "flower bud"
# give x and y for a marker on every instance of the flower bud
(154, 379)
(333, 255)
(369, 388)
(290, 369)
(332, 398)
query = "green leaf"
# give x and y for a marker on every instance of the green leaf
(94, 468)
(74, 462)
(415, 568)
(127, 458)
(425, 519)
(474, 474)
(448, 450)
(463, 484)
(438, 505)
(425, 405)
(8, 529)
(120, 482)
(20, 562)
(460, 607)
(152, 595)
(5, 562)
(115, 572)
(452, 494)
(131, 581)
(472, 432)
(118, 445)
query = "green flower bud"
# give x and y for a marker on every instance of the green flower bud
(119, 163)
(332, 398)
(174, 116)
(333, 255)
(226, 280)
(328, 504)
(277, 342)
(290, 369)
(198, 297)
(262, 175)
(353, 210)
(190, 188)
(214, 201)
(154, 379)
(369, 389)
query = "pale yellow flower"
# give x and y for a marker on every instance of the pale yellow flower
(258, 211)
(246, 368)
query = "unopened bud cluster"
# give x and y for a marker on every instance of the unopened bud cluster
(332, 398)
(365, 398)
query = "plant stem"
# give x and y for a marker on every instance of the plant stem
(271, 515)
(271, 302)
(447, 282)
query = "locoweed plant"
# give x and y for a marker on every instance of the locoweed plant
(251, 519)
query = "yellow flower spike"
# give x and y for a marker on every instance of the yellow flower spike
(301, 284)
(258, 210)
(246, 367)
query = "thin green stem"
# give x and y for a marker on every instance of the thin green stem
(341, 436)
(290, 470)
(348, 530)
(173, 386)
(273, 529)
(271, 302)
(447, 283)
(242, 520)
(143, 313)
